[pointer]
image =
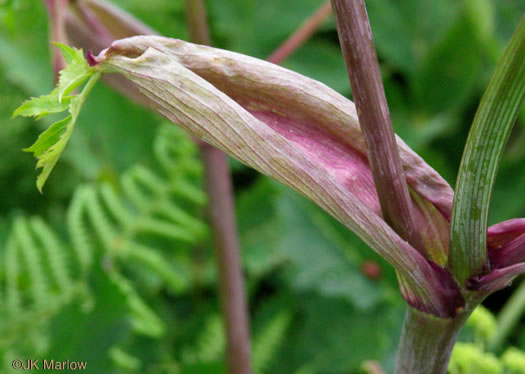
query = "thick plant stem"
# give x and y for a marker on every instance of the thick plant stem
(427, 342)
(308, 27)
(361, 62)
(222, 216)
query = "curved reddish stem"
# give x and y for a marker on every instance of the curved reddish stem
(222, 219)
(308, 27)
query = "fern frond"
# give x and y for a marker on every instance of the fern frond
(179, 157)
(12, 269)
(155, 211)
(119, 242)
(267, 343)
(151, 195)
(38, 282)
(124, 360)
(152, 260)
(98, 218)
(115, 206)
(78, 232)
(143, 319)
(176, 155)
(209, 345)
(55, 254)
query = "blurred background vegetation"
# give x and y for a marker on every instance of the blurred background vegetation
(114, 265)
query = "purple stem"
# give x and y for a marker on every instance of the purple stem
(307, 28)
(231, 283)
(221, 207)
(57, 25)
(102, 34)
(362, 66)
(427, 340)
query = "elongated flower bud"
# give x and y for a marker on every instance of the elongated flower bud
(431, 195)
(298, 131)
(294, 129)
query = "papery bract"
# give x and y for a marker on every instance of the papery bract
(298, 131)
(432, 197)
(316, 121)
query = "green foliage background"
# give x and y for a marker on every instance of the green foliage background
(114, 264)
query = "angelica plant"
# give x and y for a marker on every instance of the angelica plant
(344, 158)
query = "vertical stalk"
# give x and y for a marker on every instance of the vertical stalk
(197, 23)
(361, 62)
(427, 342)
(219, 188)
(231, 283)
(307, 28)
(57, 32)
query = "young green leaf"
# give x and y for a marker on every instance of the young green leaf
(42, 106)
(76, 72)
(49, 137)
(51, 143)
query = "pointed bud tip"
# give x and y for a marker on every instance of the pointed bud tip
(91, 59)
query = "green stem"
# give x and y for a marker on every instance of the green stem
(508, 317)
(88, 87)
(427, 342)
